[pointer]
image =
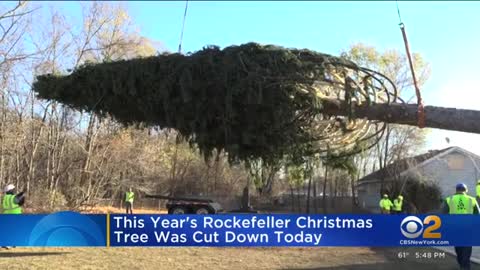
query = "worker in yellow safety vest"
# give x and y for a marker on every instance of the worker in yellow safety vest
(398, 204)
(461, 203)
(385, 204)
(12, 203)
(129, 196)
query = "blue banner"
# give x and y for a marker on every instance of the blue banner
(239, 230)
(293, 230)
(62, 229)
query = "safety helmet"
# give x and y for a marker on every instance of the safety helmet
(385, 195)
(461, 187)
(478, 182)
(9, 187)
(400, 197)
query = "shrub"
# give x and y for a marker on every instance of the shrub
(420, 195)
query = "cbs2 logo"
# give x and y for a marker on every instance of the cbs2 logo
(413, 227)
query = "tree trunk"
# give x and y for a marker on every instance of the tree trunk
(387, 145)
(315, 208)
(173, 172)
(293, 198)
(352, 185)
(299, 205)
(206, 179)
(215, 178)
(385, 156)
(406, 114)
(2, 139)
(331, 193)
(308, 194)
(325, 191)
(335, 189)
(246, 195)
(86, 176)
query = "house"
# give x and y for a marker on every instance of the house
(445, 167)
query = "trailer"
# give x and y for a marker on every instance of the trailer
(189, 205)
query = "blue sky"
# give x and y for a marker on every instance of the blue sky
(445, 33)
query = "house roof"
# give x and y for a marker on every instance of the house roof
(400, 166)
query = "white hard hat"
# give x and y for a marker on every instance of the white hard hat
(9, 187)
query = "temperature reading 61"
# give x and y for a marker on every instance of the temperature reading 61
(403, 255)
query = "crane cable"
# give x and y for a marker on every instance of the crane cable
(421, 110)
(177, 137)
(183, 27)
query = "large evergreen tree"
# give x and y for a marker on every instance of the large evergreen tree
(252, 101)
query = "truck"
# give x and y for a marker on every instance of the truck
(189, 205)
(196, 205)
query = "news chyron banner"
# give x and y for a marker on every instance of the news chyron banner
(70, 229)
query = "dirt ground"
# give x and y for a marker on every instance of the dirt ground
(221, 258)
(116, 210)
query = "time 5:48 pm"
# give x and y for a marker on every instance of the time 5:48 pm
(429, 255)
